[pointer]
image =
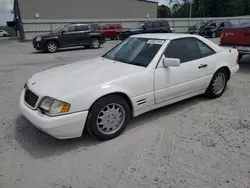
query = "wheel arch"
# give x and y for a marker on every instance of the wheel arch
(52, 40)
(226, 69)
(123, 95)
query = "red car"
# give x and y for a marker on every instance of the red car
(238, 38)
(111, 31)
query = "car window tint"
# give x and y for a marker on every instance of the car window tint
(222, 25)
(82, 28)
(156, 25)
(205, 50)
(96, 26)
(112, 27)
(69, 29)
(184, 49)
(164, 24)
(105, 27)
(118, 26)
(149, 25)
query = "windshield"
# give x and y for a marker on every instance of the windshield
(58, 29)
(136, 51)
(139, 25)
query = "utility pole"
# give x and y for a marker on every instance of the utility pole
(190, 9)
(190, 12)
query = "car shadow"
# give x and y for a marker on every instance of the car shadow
(165, 111)
(65, 50)
(39, 144)
(245, 64)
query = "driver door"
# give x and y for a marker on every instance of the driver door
(68, 36)
(188, 78)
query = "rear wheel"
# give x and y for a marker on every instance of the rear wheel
(218, 84)
(51, 47)
(108, 117)
(4, 35)
(95, 43)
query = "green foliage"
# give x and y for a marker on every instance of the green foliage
(205, 8)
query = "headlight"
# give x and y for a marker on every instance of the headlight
(53, 107)
(38, 39)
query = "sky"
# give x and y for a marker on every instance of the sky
(6, 7)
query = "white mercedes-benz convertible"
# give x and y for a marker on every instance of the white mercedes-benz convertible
(142, 73)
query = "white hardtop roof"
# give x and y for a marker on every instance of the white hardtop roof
(172, 36)
(164, 36)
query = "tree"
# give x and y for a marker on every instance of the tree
(210, 8)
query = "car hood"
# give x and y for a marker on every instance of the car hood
(75, 77)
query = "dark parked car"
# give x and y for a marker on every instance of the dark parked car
(214, 30)
(197, 28)
(87, 35)
(161, 26)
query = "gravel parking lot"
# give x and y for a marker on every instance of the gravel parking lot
(197, 143)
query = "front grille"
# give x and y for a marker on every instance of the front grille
(30, 98)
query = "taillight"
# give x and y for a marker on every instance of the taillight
(222, 37)
(222, 34)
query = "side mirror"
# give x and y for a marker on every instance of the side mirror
(62, 32)
(171, 62)
(144, 27)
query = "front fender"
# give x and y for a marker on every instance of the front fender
(83, 100)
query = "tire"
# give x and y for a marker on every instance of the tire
(98, 110)
(51, 47)
(95, 43)
(212, 91)
(213, 35)
(4, 35)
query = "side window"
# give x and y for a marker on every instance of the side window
(222, 25)
(213, 24)
(149, 25)
(105, 27)
(184, 49)
(164, 24)
(82, 28)
(204, 49)
(112, 27)
(95, 26)
(118, 26)
(156, 25)
(69, 29)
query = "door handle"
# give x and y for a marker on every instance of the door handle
(202, 66)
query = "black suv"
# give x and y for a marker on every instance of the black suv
(87, 35)
(161, 26)
(215, 29)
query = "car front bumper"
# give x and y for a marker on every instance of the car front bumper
(60, 127)
(38, 45)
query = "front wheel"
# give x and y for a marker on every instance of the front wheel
(4, 35)
(218, 84)
(95, 43)
(51, 47)
(108, 117)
